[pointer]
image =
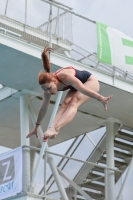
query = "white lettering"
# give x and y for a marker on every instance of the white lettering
(7, 168)
(118, 50)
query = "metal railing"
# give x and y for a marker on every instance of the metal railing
(36, 14)
(31, 20)
(68, 182)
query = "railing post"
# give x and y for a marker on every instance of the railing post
(50, 26)
(45, 172)
(32, 167)
(6, 7)
(106, 180)
(25, 22)
(57, 24)
(63, 27)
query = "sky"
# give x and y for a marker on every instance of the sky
(115, 13)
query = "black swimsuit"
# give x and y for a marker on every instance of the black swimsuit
(81, 75)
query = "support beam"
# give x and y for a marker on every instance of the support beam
(87, 197)
(24, 119)
(110, 160)
(24, 124)
(130, 167)
(112, 127)
(57, 177)
(58, 99)
(45, 146)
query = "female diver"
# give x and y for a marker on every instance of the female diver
(81, 86)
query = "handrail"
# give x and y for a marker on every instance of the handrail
(81, 16)
(75, 159)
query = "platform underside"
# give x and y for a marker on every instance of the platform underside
(19, 70)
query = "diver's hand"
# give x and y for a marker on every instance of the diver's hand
(34, 131)
(104, 100)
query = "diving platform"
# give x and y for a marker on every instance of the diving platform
(21, 62)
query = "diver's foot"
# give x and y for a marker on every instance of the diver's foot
(51, 133)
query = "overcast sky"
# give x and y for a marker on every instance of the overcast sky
(115, 13)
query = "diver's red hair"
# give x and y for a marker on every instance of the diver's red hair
(45, 77)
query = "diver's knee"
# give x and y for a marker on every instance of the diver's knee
(64, 105)
(73, 102)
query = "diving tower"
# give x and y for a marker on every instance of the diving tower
(20, 48)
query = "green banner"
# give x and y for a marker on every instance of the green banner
(114, 47)
(103, 50)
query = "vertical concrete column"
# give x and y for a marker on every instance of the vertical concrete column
(110, 159)
(24, 127)
(112, 127)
